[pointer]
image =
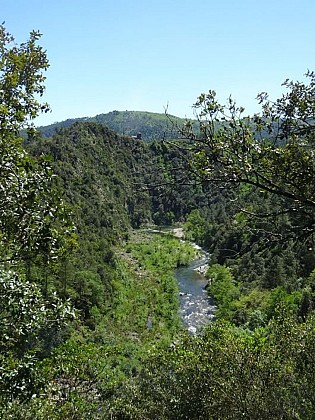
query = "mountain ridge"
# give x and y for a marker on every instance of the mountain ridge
(148, 125)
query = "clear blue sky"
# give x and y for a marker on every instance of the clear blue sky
(146, 54)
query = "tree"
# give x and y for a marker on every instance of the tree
(228, 373)
(272, 152)
(30, 328)
(21, 81)
(34, 224)
(32, 215)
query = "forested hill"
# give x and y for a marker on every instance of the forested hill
(151, 126)
(121, 179)
(113, 183)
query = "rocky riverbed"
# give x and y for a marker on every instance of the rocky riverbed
(197, 308)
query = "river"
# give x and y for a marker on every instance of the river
(197, 308)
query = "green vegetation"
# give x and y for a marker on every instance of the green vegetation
(271, 152)
(93, 365)
(261, 227)
(151, 126)
(223, 289)
(34, 228)
(90, 324)
(229, 374)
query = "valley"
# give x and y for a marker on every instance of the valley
(105, 314)
(137, 293)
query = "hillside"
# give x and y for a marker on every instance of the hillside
(114, 183)
(151, 126)
(120, 282)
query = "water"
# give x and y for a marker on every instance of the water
(197, 308)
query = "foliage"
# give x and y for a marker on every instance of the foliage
(271, 152)
(223, 289)
(195, 227)
(226, 373)
(88, 372)
(30, 328)
(21, 81)
(34, 226)
(30, 209)
(148, 300)
(164, 252)
(254, 256)
(34, 221)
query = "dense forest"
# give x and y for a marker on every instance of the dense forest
(90, 323)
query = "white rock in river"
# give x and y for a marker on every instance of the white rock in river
(192, 330)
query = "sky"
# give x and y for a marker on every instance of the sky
(149, 55)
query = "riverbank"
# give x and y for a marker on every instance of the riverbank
(179, 233)
(196, 308)
(203, 268)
